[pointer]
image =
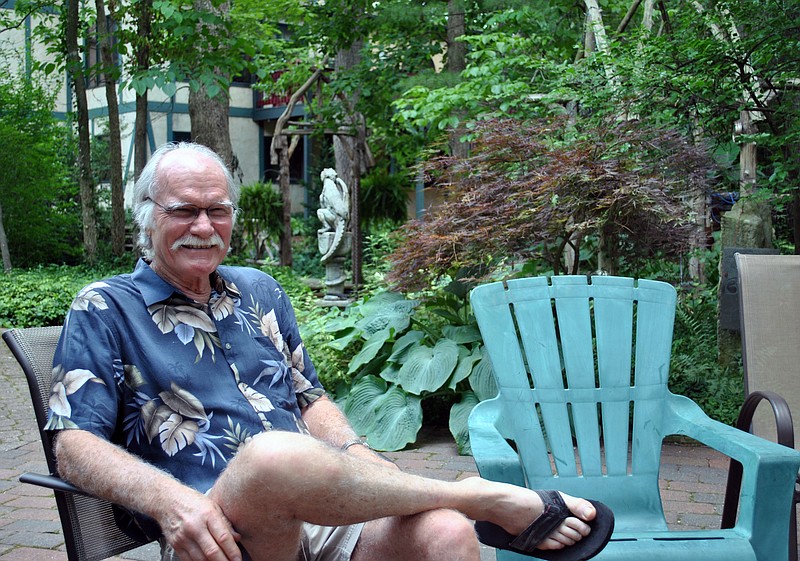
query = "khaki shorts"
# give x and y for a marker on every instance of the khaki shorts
(319, 543)
(325, 543)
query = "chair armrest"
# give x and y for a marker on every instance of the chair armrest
(785, 436)
(690, 420)
(769, 470)
(51, 482)
(494, 457)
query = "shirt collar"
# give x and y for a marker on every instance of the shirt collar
(154, 289)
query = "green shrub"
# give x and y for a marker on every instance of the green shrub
(42, 296)
(305, 249)
(405, 352)
(260, 220)
(384, 196)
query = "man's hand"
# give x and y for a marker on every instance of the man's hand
(192, 523)
(197, 529)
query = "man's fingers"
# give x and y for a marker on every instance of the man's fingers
(226, 537)
(189, 552)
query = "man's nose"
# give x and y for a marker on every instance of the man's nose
(202, 222)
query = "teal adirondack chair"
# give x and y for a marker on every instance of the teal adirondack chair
(581, 366)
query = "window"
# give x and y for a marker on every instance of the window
(178, 136)
(272, 173)
(93, 59)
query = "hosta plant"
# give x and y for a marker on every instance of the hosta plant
(412, 350)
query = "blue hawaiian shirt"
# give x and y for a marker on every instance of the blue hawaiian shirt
(181, 384)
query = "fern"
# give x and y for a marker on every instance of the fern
(695, 371)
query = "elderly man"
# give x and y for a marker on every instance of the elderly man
(183, 393)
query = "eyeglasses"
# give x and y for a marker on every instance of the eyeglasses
(217, 213)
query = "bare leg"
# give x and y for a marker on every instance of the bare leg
(280, 479)
(437, 535)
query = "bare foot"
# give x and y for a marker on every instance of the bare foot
(514, 508)
(572, 529)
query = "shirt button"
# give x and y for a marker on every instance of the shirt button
(227, 346)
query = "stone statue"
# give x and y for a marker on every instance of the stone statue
(334, 211)
(334, 238)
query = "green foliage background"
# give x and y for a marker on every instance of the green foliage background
(41, 213)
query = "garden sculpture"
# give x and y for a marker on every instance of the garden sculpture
(334, 211)
(333, 237)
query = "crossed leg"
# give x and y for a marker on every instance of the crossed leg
(280, 479)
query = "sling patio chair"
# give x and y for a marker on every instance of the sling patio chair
(769, 319)
(583, 406)
(90, 529)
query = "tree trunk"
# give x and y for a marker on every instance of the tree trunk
(75, 72)
(747, 156)
(284, 156)
(700, 234)
(608, 252)
(210, 126)
(4, 245)
(209, 115)
(456, 50)
(140, 144)
(796, 221)
(594, 17)
(456, 63)
(348, 152)
(114, 140)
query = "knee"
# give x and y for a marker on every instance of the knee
(270, 457)
(273, 450)
(276, 455)
(451, 536)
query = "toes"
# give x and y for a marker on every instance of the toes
(571, 531)
(581, 508)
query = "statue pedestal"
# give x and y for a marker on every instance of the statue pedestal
(335, 275)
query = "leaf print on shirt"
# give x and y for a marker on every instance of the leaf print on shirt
(271, 329)
(190, 324)
(301, 383)
(236, 435)
(222, 306)
(183, 402)
(133, 377)
(176, 433)
(89, 295)
(298, 360)
(134, 425)
(259, 402)
(177, 422)
(64, 385)
(274, 370)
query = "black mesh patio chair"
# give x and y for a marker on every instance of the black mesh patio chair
(90, 529)
(769, 314)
